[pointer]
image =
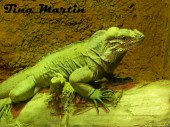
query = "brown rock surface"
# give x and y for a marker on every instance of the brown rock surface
(25, 38)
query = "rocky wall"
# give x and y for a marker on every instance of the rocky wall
(26, 37)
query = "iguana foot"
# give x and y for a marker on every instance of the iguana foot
(57, 83)
(98, 94)
(5, 105)
(58, 79)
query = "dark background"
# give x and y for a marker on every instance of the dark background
(25, 38)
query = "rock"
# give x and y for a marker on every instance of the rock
(146, 105)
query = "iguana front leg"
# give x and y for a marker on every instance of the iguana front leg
(79, 80)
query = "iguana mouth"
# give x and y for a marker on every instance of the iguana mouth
(124, 45)
(131, 43)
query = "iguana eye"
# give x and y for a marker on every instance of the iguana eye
(124, 38)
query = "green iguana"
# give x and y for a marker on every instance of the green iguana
(79, 64)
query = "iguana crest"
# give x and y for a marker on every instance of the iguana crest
(77, 65)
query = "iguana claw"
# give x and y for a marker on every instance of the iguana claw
(5, 107)
(98, 95)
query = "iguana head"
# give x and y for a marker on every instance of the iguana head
(114, 42)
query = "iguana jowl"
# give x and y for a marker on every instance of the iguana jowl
(78, 63)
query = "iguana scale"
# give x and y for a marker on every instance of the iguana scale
(78, 63)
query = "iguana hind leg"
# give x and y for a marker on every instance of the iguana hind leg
(62, 88)
(57, 83)
(23, 91)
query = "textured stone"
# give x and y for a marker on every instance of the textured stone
(25, 38)
(145, 105)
